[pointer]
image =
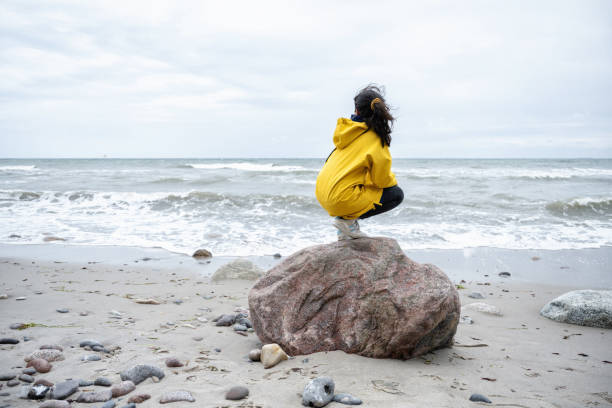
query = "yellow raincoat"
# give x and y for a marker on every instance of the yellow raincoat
(353, 178)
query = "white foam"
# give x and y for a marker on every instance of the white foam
(245, 166)
(18, 168)
(503, 172)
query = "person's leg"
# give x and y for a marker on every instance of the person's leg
(391, 198)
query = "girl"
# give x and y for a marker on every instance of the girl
(356, 181)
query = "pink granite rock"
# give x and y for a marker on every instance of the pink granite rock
(362, 296)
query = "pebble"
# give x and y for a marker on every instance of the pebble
(38, 392)
(347, 399)
(173, 362)
(236, 393)
(503, 275)
(12, 383)
(476, 295)
(17, 326)
(103, 382)
(26, 378)
(43, 382)
(202, 253)
(99, 396)
(49, 355)
(139, 373)
(51, 347)
(63, 310)
(175, 396)
(26, 338)
(240, 327)
(272, 354)
(198, 338)
(479, 398)
(109, 404)
(99, 348)
(7, 340)
(4, 296)
(137, 399)
(483, 308)
(225, 320)
(91, 357)
(277, 255)
(7, 376)
(124, 387)
(40, 365)
(177, 301)
(466, 320)
(83, 314)
(29, 370)
(244, 321)
(90, 343)
(85, 383)
(318, 392)
(21, 298)
(130, 405)
(255, 355)
(217, 350)
(64, 389)
(54, 404)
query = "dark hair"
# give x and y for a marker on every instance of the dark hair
(376, 115)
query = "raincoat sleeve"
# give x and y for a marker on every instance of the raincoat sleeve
(380, 168)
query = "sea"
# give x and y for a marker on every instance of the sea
(240, 207)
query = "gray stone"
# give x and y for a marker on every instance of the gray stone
(38, 392)
(26, 378)
(244, 321)
(12, 383)
(175, 396)
(255, 355)
(505, 274)
(17, 326)
(130, 405)
(91, 357)
(476, 295)
(29, 370)
(7, 376)
(24, 391)
(225, 320)
(90, 343)
(139, 373)
(236, 393)
(240, 327)
(582, 307)
(100, 396)
(8, 340)
(237, 269)
(109, 404)
(318, 392)
(347, 399)
(479, 398)
(85, 383)
(64, 310)
(466, 320)
(103, 382)
(64, 389)
(54, 404)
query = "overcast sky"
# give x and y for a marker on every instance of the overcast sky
(269, 79)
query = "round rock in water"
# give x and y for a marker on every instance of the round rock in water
(318, 392)
(347, 399)
(139, 373)
(202, 253)
(237, 393)
(479, 398)
(175, 396)
(582, 307)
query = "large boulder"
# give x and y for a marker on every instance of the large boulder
(361, 296)
(583, 307)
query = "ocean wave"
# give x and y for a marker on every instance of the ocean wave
(582, 207)
(502, 172)
(246, 166)
(169, 180)
(18, 168)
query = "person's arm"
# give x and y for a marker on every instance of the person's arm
(380, 168)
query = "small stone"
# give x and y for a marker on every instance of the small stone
(483, 308)
(18, 326)
(54, 404)
(466, 320)
(83, 314)
(7, 376)
(479, 398)
(26, 378)
(89, 343)
(139, 373)
(85, 383)
(49, 355)
(147, 301)
(175, 396)
(26, 338)
(99, 348)
(272, 354)
(236, 393)
(103, 382)
(99, 396)
(318, 392)
(177, 301)
(225, 320)
(7, 340)
(476, 295)
(255, 355)
(244, 321)
(109, 404)
(173, 362)
(4, 296)
(40, 365)
(130, 405)
(503, 275)
(217, 350)
(65, 389)
(38, 392)
(124, 387)
(12, 383)
(91, 357)
(64, 310)
(277, 255)
(43, 382)
(347, 399)
(31, 370)
(240, 327)
(202, 253)
(51, 347)
(21, 298)
(198, 338)
(137, 399)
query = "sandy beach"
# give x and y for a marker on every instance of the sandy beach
(519, 359)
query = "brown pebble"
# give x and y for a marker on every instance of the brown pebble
(173, 362)
(40, 365)
(137, 399)
(124, 387)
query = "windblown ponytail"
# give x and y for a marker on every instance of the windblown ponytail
(370, 104)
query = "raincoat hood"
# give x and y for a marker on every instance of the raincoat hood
(347, 131)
